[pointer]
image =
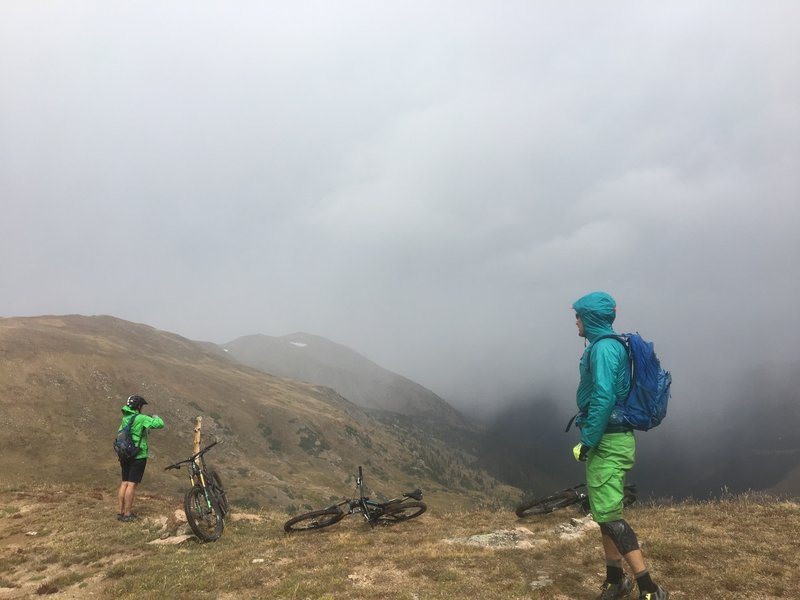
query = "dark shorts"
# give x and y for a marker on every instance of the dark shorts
(133, 469)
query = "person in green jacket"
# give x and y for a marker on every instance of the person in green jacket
(608, 450)
(133, 468)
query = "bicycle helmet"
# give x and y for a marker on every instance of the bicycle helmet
(136, 402)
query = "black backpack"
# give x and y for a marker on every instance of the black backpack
(123, 443)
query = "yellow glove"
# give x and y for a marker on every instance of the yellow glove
(581, 452)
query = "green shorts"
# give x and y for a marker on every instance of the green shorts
(606, 466)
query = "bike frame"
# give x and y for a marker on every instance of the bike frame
(197, 471)
(568, 497)
(629, 489)
(407, 505)
(369, 509)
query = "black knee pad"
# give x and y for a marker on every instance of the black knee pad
(621, 534)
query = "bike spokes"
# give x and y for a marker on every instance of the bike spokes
(402, 511)
(203, 514)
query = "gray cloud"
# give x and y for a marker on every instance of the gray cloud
(429, 185)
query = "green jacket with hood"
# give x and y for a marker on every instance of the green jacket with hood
(607, 378)
(140, 427)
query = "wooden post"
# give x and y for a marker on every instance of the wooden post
(198, 424)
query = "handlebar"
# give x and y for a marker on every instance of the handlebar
(192, 458)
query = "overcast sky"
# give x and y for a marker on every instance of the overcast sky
(429, 183)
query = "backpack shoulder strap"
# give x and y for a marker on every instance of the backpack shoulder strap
(622, 339)
(129, 426)
(571, 421)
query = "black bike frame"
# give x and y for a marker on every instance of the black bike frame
(197, 470)
(369, 509)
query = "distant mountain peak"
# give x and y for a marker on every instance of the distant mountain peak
(352, 375)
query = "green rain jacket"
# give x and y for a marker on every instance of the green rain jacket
(607, 378)
(140, 427)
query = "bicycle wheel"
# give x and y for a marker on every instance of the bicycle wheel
(316, 519)
(628, 498)
(402, 511)
(219, 491)
(547, 504)
(206, 521)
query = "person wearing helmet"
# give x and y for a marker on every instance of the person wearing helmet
(133, 468)
(608, 450)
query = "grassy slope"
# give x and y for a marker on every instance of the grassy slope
(63, 379)
(741, 548)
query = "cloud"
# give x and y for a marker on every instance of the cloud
(431, 185)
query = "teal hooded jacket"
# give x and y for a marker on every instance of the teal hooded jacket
(607, 379)
(140, 427)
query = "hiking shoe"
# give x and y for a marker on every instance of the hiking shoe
(659, 594)
(613, 591)
(128, 518)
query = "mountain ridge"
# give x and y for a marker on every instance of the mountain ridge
(320, 361)
(285, 443)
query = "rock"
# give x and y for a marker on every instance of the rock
(520, 538)
(243, 517)
(179, 516)
(172, 541)
(542, 581)
(576, 528)
(160, 522)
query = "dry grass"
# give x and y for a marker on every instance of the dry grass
(741, 548)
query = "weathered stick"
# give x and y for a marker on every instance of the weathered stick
(198, 424)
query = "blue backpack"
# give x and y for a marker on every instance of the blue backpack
(123, 443)
(646, 404)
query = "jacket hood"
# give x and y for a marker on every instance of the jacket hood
(597, 312)
(127, 410)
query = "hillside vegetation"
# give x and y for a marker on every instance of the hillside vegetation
(286, 444)
(64, 542)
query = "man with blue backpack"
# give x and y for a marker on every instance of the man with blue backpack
(622, 388)
(131, 448)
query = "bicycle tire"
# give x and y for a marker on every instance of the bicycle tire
(402, 511)
(206, 522)
(628, 498)
(219, 491)
(316, 519)
(547, 504)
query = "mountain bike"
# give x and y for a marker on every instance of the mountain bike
(407, 506)
(568, 497)
(206, 503)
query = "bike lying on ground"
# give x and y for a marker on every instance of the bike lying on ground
(568, 497)
(407, 506)
(205, 503)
